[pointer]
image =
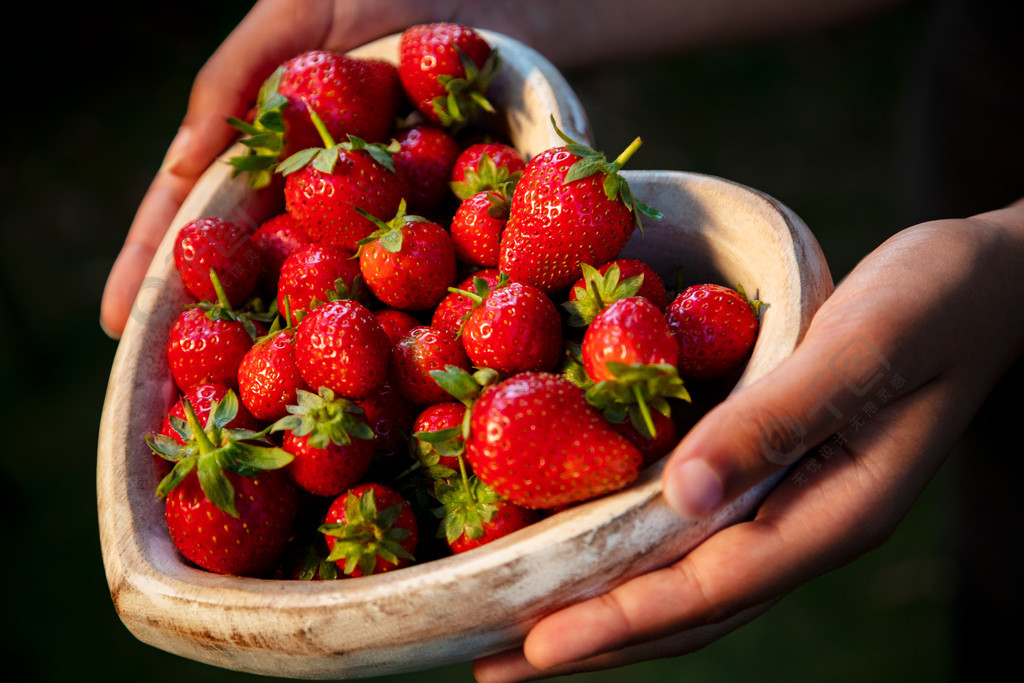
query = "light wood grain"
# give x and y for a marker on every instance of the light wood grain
(482, 601)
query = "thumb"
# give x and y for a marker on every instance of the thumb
(771, 423)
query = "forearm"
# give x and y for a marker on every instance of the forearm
(581, 32)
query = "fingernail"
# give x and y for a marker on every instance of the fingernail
(177, 150)
(693, 489)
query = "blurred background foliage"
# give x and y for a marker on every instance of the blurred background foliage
(812, 120)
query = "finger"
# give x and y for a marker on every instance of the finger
(506, 667)
(804, 529)
(770, 424)
(155, 213)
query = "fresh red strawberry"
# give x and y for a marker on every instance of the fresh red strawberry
(476, 228)
(395, 322)
(474, 515)
(268, 377)
(438, 438)
(452, 310)
(628, 331)
(426, 158)
(370, 529)
(512, 328)
(341, 346)
(486, 166)
(446, 70)
(275, 239)
(247, 545)
(536, 441)
(629, 351)
(421, 351)
(317, 273)
(353, 96)
(224, 246)
(332, 443)
(614, 280)
(409, 262)
(202, 398)
(228, 509)
(715, 327)
(570, 207)
(326, 187)
(207, 345)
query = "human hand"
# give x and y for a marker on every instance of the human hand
(890, 372)
(227, 85)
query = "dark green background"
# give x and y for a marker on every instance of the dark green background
(813, 121)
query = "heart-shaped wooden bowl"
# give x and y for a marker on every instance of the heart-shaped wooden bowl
(482, 601)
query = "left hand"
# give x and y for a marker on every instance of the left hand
(891, 371)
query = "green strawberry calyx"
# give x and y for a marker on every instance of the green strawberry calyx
(467, 505)
(313, 565)
(592, 162)
(465, 386)
(464, 100)
(221, 309)
(756, 304)
(389, 234)
(432, 446)
(324, 419)
(636, 390)
(325, 158)
(264, 137)
(598, 291)
(212, 449)
(572, 368)
(486, 176)
(481, 290)
(367, 534)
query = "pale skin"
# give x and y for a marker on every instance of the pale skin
(949, 286)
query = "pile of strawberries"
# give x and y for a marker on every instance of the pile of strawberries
(435, 343)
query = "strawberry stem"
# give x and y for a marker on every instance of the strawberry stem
(621, 160)
(465, 477)
(321, 128)
(222, 297)
(644, 411)
(472, 295)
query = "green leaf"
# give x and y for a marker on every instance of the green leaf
(391, 241)
(244, 126)
(297, 161)
(325, 160)
(223, 412)
(164, 446)
(261, 457)
(584, 168)
(458, 382)
(216, 486)
(611, 185)
(180, 470)
(440, 436)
